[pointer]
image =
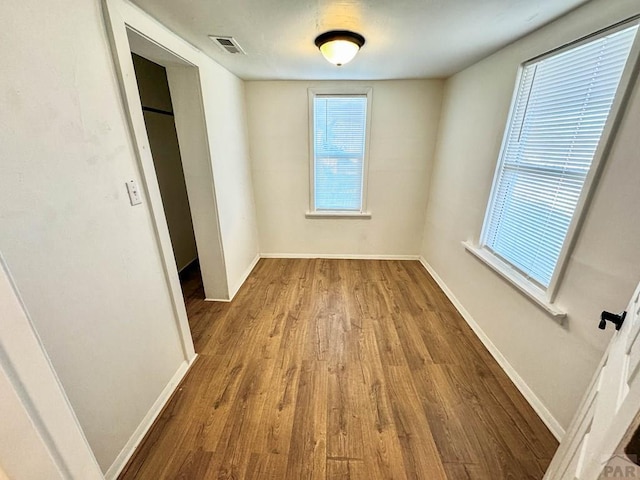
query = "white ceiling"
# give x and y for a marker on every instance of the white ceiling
(404, 38)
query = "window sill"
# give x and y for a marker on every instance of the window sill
(531, 291)
(330, 214)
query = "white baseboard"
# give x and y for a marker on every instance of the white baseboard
(539, 407)
(342, 256)
(234, 291)
(138, 435)
(252, 265)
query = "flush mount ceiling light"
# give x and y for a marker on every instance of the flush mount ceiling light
(339, 46)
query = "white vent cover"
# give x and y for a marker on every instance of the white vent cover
(228, 44)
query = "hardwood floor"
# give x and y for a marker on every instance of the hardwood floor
(340, 369)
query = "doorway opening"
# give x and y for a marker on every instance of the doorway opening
(187, 144)
(157, 110)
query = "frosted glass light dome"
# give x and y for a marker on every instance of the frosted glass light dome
(339, 46)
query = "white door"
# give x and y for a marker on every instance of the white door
(607, 410)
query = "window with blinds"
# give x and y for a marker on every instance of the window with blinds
(339, 134)
(557, 119)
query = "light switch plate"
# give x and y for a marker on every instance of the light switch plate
(134, 193)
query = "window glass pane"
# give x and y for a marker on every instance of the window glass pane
(339, 140)
(559, 114)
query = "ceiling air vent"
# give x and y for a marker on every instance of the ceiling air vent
(228, 44)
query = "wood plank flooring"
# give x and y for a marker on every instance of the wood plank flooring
(340, 369)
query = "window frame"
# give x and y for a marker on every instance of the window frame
(545, 297)
(346, 91)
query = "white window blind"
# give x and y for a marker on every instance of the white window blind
(557, 119)
(339, 150)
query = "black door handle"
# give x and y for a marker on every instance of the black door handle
(614, 318)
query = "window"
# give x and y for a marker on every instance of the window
(339, 131)
(550, 151)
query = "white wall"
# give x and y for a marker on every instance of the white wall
(40, 437)
(84, 260)
(225, 111)
(404, 125)
(22, 450)
(556, 361)
(196, 160)
(86, 263)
